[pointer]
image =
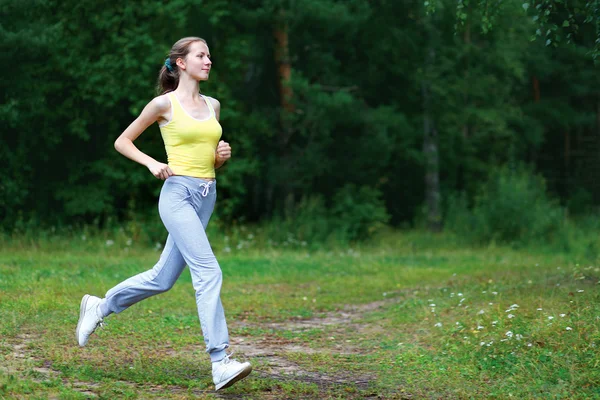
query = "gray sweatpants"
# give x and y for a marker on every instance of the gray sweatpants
(185, 207)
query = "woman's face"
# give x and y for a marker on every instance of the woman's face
(197, 61)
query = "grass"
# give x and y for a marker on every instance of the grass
(409, 315)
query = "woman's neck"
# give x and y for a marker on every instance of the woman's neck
(188, 88)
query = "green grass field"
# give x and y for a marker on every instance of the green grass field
(409, 316)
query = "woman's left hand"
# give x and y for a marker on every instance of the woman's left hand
(223, 152)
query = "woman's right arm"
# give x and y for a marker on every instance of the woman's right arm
(153, 111)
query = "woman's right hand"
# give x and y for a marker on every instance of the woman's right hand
(160, 170)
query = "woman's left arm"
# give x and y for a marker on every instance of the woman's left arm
(223, 151)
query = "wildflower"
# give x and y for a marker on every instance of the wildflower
(529, 345)
(482, 343)
(539, 309)
(562, 315)
(451, 294)
(481, 312)
(494, 322)
(227, 249)
(460, 295)
(518, 336)
(485, 291)
(509, 334)
(580, 291)
(438, 325)
(551, 317)
(479, 327)
(494, 293)
(461, 300)
(109, 242)
(432, 305)
(304, 298)
(569, 328)
(510, 316)
(491, 304)
(384, 294)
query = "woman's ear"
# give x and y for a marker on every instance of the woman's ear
(180, 63)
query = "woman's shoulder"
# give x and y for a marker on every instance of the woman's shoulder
(215, 104)
(162, 102)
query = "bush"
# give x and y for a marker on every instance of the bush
(356, 213)
(511, 207)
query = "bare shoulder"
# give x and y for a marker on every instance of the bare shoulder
(215, 103)
(161, 103)
(216, 106)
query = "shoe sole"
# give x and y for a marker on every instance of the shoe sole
(243, 373)
(81, 313)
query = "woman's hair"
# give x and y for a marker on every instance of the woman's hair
(168, 78)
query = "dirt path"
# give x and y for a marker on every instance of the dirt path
(271, 357)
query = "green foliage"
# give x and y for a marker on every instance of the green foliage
(357, 94)
(511, 207)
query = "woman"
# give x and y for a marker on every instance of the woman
(191, 132)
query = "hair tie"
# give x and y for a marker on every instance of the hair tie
(168, 64)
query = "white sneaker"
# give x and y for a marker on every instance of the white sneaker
(89, 318)
(228, 371)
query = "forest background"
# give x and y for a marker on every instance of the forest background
(345, 117)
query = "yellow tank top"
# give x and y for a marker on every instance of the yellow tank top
(190, 142)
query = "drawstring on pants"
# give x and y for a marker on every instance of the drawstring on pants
(206, 187)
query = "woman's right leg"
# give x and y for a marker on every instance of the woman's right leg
(157, 280)
(152, 282)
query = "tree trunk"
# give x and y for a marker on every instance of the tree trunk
(431, 154)
(283, 184)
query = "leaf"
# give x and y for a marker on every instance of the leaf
(566, 24)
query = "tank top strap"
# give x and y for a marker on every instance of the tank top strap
(210, 106)
(176, 108)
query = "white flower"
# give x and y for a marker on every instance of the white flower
(510, 316)
(569, 328)
(518, 336)
(481, 312)
(550, 317)
(432, 305)
(562, 315)
(482, 343)
(529, 345)
(438, 325)
(109, 242)
(461, 300)
(485, 291)
(479, 327)
(509, 334)
(460, 295)
(494, 293)
(227, 249)
(580, 291)
(304, 298)
(494, 322)
(539, 309)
